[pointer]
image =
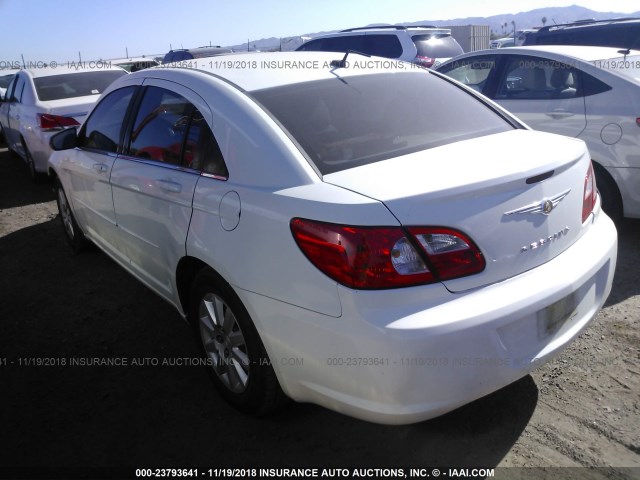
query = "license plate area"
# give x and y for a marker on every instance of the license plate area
(550, 319)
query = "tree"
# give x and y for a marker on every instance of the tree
(544, 21)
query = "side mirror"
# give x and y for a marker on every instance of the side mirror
(64, 140)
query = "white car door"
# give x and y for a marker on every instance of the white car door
(154, 181)
(89, 166)
(12, 111)
(544, 93)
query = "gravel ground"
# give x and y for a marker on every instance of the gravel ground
(581, 410)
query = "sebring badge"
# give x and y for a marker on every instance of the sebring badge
(544, 207)
(546, 241)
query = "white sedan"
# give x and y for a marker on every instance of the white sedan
(376, 239)
(42, 101)
(6, 75)
(591, 93)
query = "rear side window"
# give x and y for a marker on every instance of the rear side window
(437, 46)
(103, 130)
(201, 149)
(170, 129)
(346, 122)
(382, 45)
(593, 86)
(79, 84)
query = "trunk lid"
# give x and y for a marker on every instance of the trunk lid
(493, 189)
(76, 107)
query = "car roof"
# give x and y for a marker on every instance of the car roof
(256, 71)
(391, 28)
(581, 52)
(589, 23)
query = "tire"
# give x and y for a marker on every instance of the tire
(610, 194)
(36, 177)
(72, 232)
(238, 362)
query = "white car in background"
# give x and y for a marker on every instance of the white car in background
(6, 75)
(40, 102)
(502, 42)
(133, 64)
(331, 241)
(591, 93)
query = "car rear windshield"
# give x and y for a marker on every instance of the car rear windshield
(437, 46)
(343, 123)
(78, 84)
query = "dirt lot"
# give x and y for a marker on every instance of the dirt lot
(582, 410)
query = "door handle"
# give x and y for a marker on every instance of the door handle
(559, 114)
(169, 187)
(100, 167)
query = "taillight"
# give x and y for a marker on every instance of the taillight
(426, 62)
(590, 193)
(365, 257)
(51, 122)
(451, 253)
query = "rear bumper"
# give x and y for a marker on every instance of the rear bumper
(406, 355)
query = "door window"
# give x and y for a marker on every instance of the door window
(9, 93)
(160, 126)
(104, 128)
(531, 78)
(170, 129)
(473, 72)
(16, 95)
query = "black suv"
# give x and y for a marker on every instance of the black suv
(191, 53)
(424, 45)
(617, 32)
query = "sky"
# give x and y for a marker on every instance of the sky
(45, 30)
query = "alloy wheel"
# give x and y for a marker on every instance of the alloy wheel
(224, 343)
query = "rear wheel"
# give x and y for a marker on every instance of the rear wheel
(74, 235)
(238, 362)
(36, 176)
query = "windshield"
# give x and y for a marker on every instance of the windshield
(342, 123)
(70, 85)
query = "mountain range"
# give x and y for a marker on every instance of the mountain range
(523, 20)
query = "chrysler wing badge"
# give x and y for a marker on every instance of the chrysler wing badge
(544, 207)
